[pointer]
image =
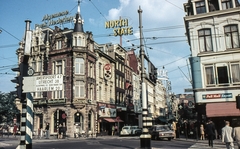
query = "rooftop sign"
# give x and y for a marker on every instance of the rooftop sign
(54, 19)
(120, 27)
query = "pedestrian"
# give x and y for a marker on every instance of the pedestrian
(236, 134)
(174, 128)
(113, 128)
(227, 132)
(210, 131)
(64, 129)
(14, 130)
(60, 131)
(185, 125)
(47, 131)
(8, 130)
(39, 133)
(1, 131)
(202, 137)
(116, 129)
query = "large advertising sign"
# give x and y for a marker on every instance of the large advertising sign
(120, 27)
(216, 96)
(54, 19)
(106, 110)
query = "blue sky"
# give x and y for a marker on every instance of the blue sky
(162, 21)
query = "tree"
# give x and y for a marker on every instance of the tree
(8, 109)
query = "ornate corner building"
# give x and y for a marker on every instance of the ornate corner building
(100, 81)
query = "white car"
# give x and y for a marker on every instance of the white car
(130, 130)
(126, 131)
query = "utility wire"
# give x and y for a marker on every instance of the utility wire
(98, 10)
(174, 5)
(174, 61)
(10, 34)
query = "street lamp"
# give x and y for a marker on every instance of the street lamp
(145, 137)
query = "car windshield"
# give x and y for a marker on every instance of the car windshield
(125, 128)
(162, 128)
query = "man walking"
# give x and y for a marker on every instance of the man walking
(227, 132)
(236, 134)
(47, 131)
(210, 131)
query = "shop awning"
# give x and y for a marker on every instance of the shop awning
(222, 109)
(113, 120)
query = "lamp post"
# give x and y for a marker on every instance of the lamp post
(145, 137)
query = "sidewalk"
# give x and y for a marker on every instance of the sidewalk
(216, 141)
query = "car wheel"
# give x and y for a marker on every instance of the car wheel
(169, 139)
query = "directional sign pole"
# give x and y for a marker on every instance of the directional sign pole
(29, 121)
(27, 105)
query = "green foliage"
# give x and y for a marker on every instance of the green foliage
(8, 109)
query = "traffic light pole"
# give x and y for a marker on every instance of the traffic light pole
(145, 137)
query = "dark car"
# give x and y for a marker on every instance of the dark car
(161, 132)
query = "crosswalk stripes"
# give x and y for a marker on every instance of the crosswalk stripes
(204, 145)
(4, 144)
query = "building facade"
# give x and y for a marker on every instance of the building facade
(213, 34)
(101, 82)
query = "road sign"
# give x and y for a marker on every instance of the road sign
(43, 83)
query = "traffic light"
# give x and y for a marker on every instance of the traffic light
(22, 69)
(155, 74)
(238, 102)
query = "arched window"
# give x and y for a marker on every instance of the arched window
(78, 119)
(90, 121)
(59, 118)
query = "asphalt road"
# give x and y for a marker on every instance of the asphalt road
(109, 143)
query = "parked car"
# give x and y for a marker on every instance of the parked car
(136, 130)
(161, 132)
(130, 130)
(126, 131)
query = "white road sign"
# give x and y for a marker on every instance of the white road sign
(43, 83)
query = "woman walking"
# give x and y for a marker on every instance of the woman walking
(202, 137)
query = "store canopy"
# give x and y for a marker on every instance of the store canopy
(222, 109)
(112, 120)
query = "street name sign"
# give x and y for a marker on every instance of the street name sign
(43, 83)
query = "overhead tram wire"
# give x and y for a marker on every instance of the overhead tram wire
(10, 34)
(174, 61)
(98, 10)
(144, 30)
(174, 5)
(10, 45)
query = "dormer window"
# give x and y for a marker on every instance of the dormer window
(200, 7)
(59, 44)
